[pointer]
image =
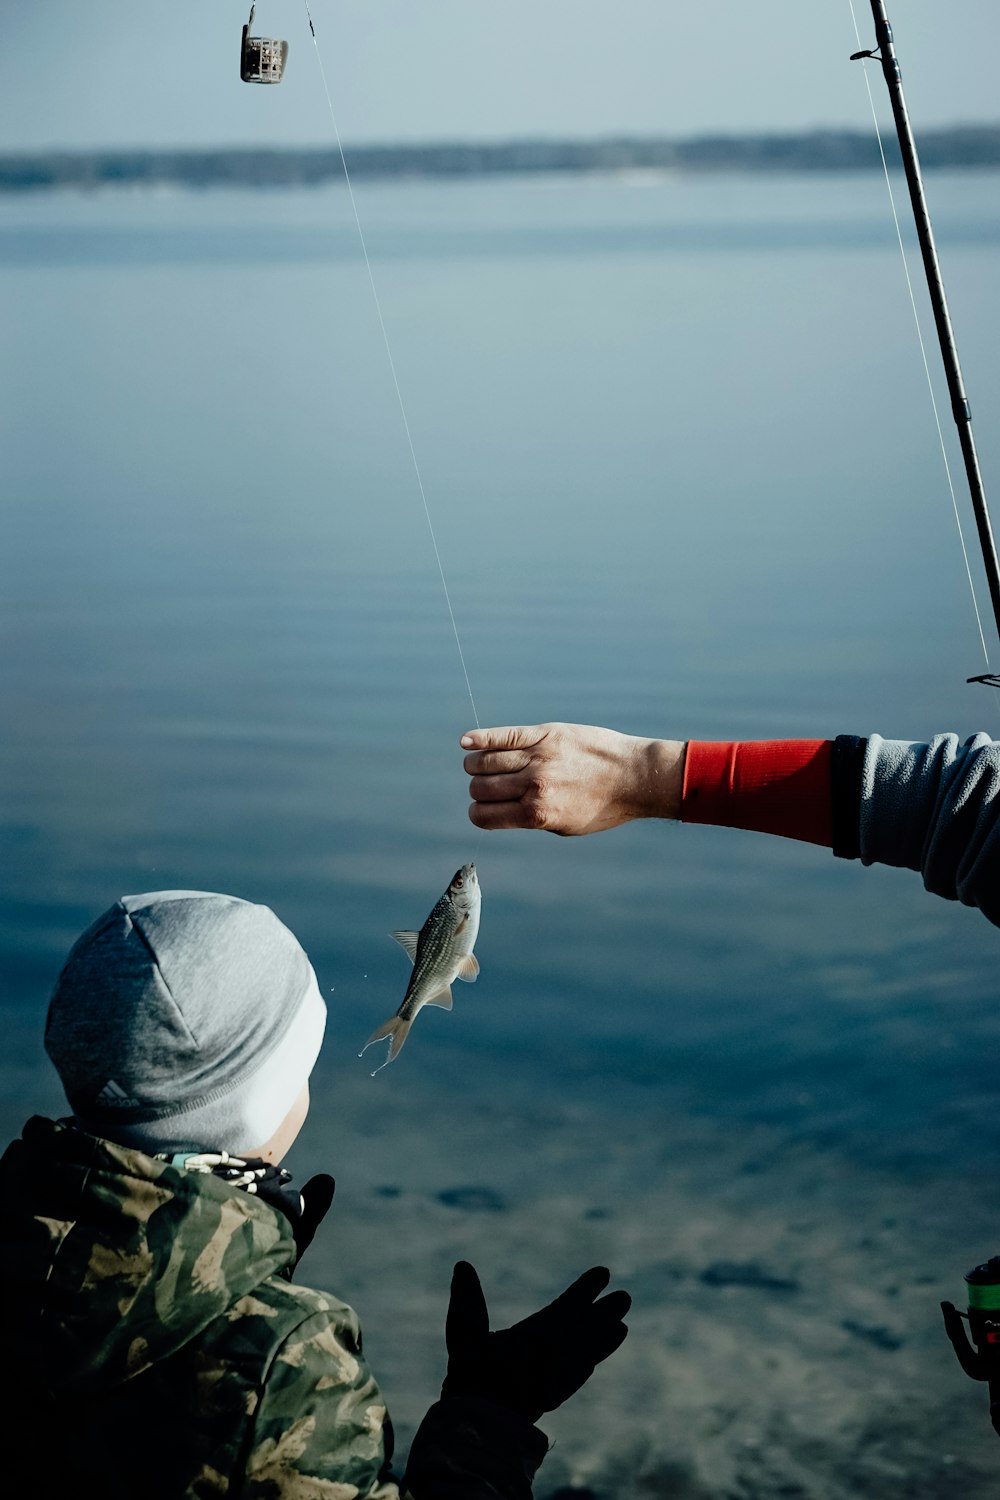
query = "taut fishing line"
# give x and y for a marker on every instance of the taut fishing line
(392, 362)
(923, 350)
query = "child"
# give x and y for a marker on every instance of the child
(157, 1343)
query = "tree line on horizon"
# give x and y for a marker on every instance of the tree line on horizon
(960, 146)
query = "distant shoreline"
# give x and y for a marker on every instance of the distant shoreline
(961, 147)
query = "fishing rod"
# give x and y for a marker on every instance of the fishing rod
(975, 1333)
(885, 53)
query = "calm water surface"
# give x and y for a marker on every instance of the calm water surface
(677, 447)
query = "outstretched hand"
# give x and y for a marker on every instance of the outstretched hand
(539, 1363)
(570, 778)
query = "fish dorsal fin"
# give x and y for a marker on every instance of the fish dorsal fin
(408, 942)
(468, 969)
(442, 998)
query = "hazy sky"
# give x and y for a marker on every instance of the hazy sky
(120, 72)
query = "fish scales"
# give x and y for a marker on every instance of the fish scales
(441, 952)
(437, 940)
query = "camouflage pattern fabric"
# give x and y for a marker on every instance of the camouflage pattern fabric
(162, 1351)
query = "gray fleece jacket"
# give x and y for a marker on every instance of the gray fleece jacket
(933, 808)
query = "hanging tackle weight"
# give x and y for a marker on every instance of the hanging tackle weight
(262, 58)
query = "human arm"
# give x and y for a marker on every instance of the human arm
(929, 807)
(319, 1418)
(933, 808)
(320, 1423)
(468, 1448)
(574, 779)
(499, 1383)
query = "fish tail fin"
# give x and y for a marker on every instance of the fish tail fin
(396, 1029)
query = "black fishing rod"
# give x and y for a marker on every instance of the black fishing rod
(974, 1334)
(885, 53)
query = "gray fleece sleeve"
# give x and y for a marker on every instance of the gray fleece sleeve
(936, 809)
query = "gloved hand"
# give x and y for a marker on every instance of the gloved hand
(540, 1362)
(316, 1197)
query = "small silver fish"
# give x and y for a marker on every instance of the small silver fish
(440, 952)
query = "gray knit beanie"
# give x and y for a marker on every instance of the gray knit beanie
(185, 1020)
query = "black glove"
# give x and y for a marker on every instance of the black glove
(539, 1363)
(316, 1197)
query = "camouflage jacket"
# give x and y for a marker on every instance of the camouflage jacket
(155, 1346)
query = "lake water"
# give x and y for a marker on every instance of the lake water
(679, 456)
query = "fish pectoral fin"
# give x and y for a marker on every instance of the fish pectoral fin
(408, 942)
(468, 969)
(442, 999)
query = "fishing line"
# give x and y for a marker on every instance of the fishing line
(923, 350)
(392, 362)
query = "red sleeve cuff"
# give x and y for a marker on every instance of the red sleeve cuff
(770, 786)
